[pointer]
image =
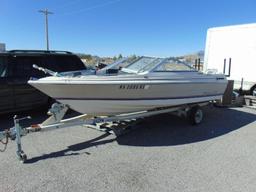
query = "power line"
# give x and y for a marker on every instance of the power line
(46, 13)
(92, 7)
(68, 4)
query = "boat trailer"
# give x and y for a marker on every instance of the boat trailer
(117, 125)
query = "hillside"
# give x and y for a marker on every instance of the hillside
(91, 60)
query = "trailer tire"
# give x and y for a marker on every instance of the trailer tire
(23, 157)
(195, 115)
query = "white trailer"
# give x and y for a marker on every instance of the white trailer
(116, 125)
(233, 49)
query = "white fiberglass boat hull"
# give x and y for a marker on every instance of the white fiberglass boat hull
(111, 95)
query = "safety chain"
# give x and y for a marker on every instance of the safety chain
(6, 141)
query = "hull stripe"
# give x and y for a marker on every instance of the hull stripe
(130, 99)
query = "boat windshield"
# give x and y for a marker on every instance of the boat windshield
(142, 65)
(146, 64)
(173, 65)
(117, 65)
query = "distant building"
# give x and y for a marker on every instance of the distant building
(2, 47)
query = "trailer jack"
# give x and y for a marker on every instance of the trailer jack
(15, 133)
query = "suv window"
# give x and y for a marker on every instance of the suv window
(63, 63)
(23, 66)
(3, 67)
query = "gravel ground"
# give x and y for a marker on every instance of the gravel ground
(164, 153)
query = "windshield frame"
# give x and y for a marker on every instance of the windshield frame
(115, 63)
(192, 69)
(156, 65)
(142, 69)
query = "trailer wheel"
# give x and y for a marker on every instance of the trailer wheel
(195, 115)
(22, 157)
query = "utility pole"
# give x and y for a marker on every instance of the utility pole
(46, 13)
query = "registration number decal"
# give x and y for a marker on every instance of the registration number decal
(138, 86)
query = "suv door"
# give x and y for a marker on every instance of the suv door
(6, 88)
(25, 96)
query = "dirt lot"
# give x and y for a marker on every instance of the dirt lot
(164, 153)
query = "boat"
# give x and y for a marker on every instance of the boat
(143, 84)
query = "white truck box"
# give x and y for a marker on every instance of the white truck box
(237, 44)
(2, 47)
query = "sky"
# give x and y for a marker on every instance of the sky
(111, 27)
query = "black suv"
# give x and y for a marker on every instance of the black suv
(16, 69)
